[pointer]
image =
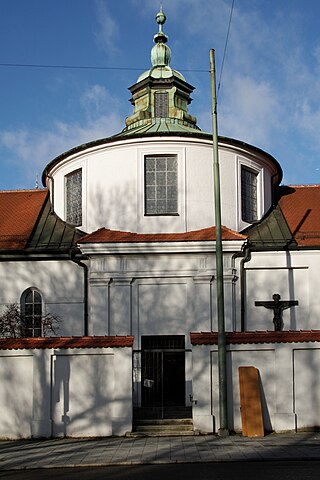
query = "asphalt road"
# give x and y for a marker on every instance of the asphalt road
(281, 470)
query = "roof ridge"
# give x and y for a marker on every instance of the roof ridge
(119, 236)
(312, 185)
(164, 233)
(23, 190)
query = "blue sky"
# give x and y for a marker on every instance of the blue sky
(269, 95)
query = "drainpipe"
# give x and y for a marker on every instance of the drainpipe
(246, 257)
(85, 291)
(52, 193)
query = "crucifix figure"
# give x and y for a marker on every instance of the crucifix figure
(277, 306)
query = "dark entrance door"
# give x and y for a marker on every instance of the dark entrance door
(163, 374)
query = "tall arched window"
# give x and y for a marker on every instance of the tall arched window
(73, 182)
(32, 312)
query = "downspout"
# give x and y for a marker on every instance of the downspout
(52, 193)
(85, 291)
(246, 257)
(273, 196)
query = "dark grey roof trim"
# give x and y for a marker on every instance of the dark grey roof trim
(51, 233)
(271, 232)
(195, 134)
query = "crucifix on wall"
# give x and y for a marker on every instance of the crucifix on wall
(277, 306)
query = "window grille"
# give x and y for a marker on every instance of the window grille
(249, 195)
(73, 184)
(161, 104)
(161, 185)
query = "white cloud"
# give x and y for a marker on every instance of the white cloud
(250, 110)
(32, 150)
(96, 99)
(108, 32)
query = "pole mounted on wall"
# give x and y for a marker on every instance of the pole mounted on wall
(223, 412)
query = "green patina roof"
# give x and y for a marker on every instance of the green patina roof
(52, 233)
(160, 125)
(271, 232)
(160, 93)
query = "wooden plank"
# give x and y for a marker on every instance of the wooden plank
(250, 402)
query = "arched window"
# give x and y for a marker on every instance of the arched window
(249, 195)
(32, 312)
(73, 197)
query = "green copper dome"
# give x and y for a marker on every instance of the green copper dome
(161, 95)
(160, 54)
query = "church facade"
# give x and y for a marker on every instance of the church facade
(120, 244)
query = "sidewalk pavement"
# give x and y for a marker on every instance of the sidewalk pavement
(71, 452)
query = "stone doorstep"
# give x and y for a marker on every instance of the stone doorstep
(162, 427)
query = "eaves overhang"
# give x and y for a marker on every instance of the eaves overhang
(156, 82)
(229, 246)
(34, 255)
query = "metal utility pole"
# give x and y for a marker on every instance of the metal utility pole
(223, 412)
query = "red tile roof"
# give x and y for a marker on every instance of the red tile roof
(234, 338)
(19, 211)
(301, 208)
(104, 235)
(66, 342)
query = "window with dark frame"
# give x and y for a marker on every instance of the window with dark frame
(249, 197)
(161, 104)
(73, 184)
(32, 312)
(161, 185)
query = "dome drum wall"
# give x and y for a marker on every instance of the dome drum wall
(114, 189)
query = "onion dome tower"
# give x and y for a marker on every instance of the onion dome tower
(161, 95)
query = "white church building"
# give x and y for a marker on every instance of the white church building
(120, 244)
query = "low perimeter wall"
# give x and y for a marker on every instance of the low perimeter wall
(289, 381)
(66, 391)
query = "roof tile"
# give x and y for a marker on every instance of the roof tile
(234, 338)
(110, 341)
(104, 235)
(19, 211)
(300, 206)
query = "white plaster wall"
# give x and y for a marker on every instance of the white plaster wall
(77, 392)
(290, 386)
(307, 387)
(158, 294)
(82, 394)
(60, 283)
(113, 195)
(162, 307)
(294, 275)
(16, 395)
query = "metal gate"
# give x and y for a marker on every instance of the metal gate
(162, 375)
